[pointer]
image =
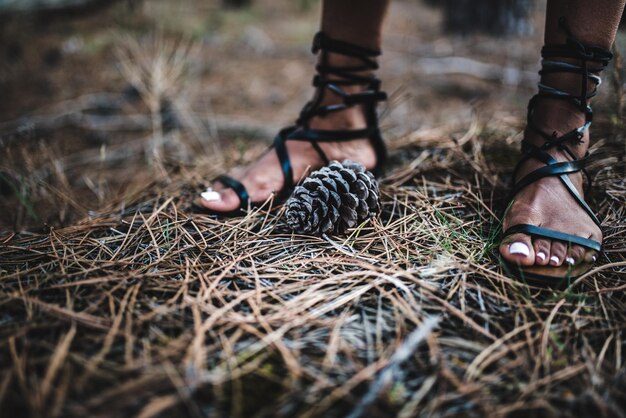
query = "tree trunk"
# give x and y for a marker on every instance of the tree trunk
(495, 17)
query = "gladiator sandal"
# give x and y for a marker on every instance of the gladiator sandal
(329, 78)
(593, 59)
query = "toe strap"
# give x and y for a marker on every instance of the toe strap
(283, 158)
(537, 231)
(240, 190)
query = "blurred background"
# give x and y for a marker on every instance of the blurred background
(102, 100)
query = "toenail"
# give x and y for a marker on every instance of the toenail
(570, 261)
(554, 259)
(541, 255)
(519, 248)
(210, 195)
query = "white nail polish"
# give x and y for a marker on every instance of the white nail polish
(554, 259)
(570, 261)
(593, 258)
(541, 255)
(519, 248)
(210, 195)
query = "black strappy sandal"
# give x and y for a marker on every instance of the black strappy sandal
(550, 64)
(330, 78)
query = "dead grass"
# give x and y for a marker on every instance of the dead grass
(154, 311)
(145, 309)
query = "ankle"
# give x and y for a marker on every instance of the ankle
(569, 82)
(558, 117)
(345, 61)
(340, 60)
(553, 115)
(347, 119)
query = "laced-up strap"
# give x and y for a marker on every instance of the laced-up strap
(592, 60)
(573, 49)
(334, 79)
(342, 76)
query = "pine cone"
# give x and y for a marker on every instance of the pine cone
(333, 199)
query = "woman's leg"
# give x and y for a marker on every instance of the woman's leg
(358, 22)
(546, 202)
(354, 21)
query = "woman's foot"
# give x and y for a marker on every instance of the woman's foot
(264, 176)
(547, 203)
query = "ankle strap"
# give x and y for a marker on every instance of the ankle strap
(593, 59)
(321, 41)
(331, 78)
(575, 49)
(343, 76)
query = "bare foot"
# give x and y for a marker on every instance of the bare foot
(547, 203)
(264, 176)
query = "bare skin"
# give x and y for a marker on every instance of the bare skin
(264, 177)
(547, 203)
(358, 22)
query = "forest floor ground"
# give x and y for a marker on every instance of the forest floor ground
(117, 300)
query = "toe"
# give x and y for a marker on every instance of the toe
(518, 249)
(223, 201)
(575, 255)
(590, 256)
(558, 251)
(542, 250)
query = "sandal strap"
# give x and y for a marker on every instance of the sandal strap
(320, 152)
(333, 78)
(560, 170)
(593, 59)
(283, 157)
(321, 41)
(323, 135)
(574, 49)
(551, 234)
(330, 78)
(237, 187)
